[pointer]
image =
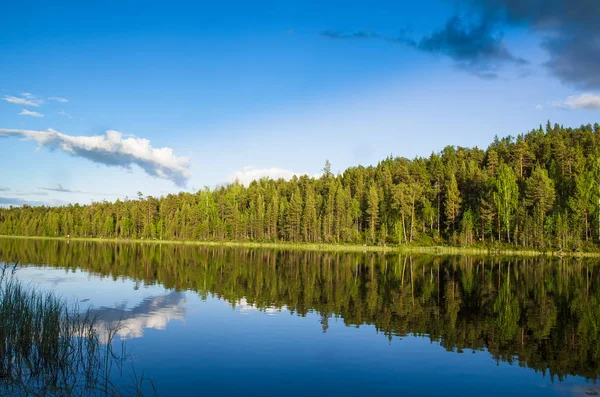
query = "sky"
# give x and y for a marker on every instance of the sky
(100, 100)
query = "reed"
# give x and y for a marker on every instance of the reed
(51, 348)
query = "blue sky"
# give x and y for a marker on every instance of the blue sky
(272, 88)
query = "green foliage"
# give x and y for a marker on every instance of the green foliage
(506, 196)
(453, 201)
(539, 190)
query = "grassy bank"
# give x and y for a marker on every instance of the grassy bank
(437, 250)
(50, 348)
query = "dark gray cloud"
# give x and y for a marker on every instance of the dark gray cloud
(575, 60)
(349, 36)
(571, 31)
(475, 48)
(544, 14)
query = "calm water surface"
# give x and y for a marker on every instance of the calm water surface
(215, 321)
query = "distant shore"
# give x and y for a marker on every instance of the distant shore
(332, 247)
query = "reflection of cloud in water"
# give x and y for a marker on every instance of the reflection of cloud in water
(578, 390)
(153, 312)
(247, 308)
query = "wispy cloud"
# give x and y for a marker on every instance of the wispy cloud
(58, 99)
(248, 174)
(4, 189)
(65, 114)
(583, 101)
(331, 34)
(539, 107)
(30, 194)
(29, 99)
(31, 113)
(58, 188)
(112, 149)
(61, 189)
(25, 101)
(16, 201)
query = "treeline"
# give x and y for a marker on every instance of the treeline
(540, 190)
(540, 313)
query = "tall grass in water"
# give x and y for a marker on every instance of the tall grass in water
(50, 348)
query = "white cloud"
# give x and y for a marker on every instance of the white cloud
(112, 150)
(583, 101)
(63, 113)
(28, 99)
(58, 99)
(25, 101)
(26, 112)
(539, 107)
(248, 308)
(249, 174)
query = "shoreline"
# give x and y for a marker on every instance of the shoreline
(324, 247)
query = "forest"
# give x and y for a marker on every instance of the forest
(539, 190)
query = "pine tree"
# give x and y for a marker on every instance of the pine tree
(309, 217)
(373, 211)
(539, 195)
(294, 215)
(506, 196)
(453, 201)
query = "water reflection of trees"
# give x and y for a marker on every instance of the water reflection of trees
(535, 312)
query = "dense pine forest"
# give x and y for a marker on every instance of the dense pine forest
(538, 190)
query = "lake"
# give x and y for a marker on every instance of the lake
(233, 321)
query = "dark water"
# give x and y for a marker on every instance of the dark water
(215, 321)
